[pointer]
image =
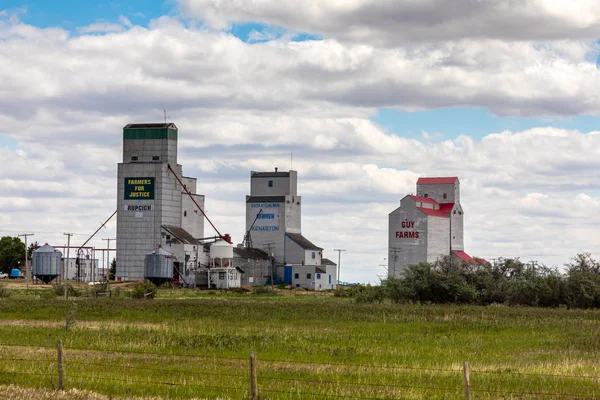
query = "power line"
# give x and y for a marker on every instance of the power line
(27, 269)
(108, 252)
(66, 264)
(270, 258)
(339, 266)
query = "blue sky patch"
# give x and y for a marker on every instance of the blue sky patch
(449, 123)
(7, 141)
(252, 32)
(73, 14)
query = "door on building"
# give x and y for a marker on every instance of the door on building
(287, 274)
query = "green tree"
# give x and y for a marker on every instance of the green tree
(12, 253)
(583, 282)
(112, 271)
(32, 247)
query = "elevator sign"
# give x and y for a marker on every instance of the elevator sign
(268, 219)
(410, 233)
(139, 189)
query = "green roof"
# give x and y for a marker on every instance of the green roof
(150, 131)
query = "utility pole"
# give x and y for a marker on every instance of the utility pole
(271, 259)
(66, 265)
(27, 269)
(339, 266)
(395, 251)
(108, 255)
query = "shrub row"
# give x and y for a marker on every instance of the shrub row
(509, 282)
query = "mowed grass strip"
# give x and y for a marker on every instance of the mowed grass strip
(200, 348)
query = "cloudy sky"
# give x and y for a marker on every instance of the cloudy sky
(368, 96)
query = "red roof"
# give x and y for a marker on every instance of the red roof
(435, 213)
(464, 256)
(446, 207)
(424, 199)
(467, 258)
(438, 180)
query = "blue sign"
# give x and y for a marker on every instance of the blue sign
(265, 228)
(265, 205)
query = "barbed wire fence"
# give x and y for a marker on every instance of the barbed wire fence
(262, 381)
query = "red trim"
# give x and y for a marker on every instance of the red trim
(464, 256)
(446, 207)
(435, 213)
(467, 258)
(424, 199)
(438, 180)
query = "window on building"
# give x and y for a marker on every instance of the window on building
(308, 276)
(221, 276)
(185, 213)
(134, 158)
(296, 276)
(426, 195)
(318, 276)
(155, 158)
(329, 278)
(270, 183)
(314, 255)
(445, 195)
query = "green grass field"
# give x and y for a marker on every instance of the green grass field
(189, 344)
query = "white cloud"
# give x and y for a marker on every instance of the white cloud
(392, 23)
(169, 66)
(125, 21)
(101, 27)
(243, 107)
(263, 36)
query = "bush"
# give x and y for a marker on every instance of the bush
(4, 291)
(342, 291)
(395, 290)
(263, 290)
(99, 288)
(144, 290)
(70, 313)
(369, 294)
(59, 290)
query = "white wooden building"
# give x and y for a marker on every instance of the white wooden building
(225, 277)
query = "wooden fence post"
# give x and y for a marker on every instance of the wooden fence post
(253, 385)
(467, 379)
(61, 375)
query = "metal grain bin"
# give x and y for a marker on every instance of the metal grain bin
(46, 263)
(158, 266)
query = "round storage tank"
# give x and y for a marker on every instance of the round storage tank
(46, 263)
(221, 249)
(158, 266)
